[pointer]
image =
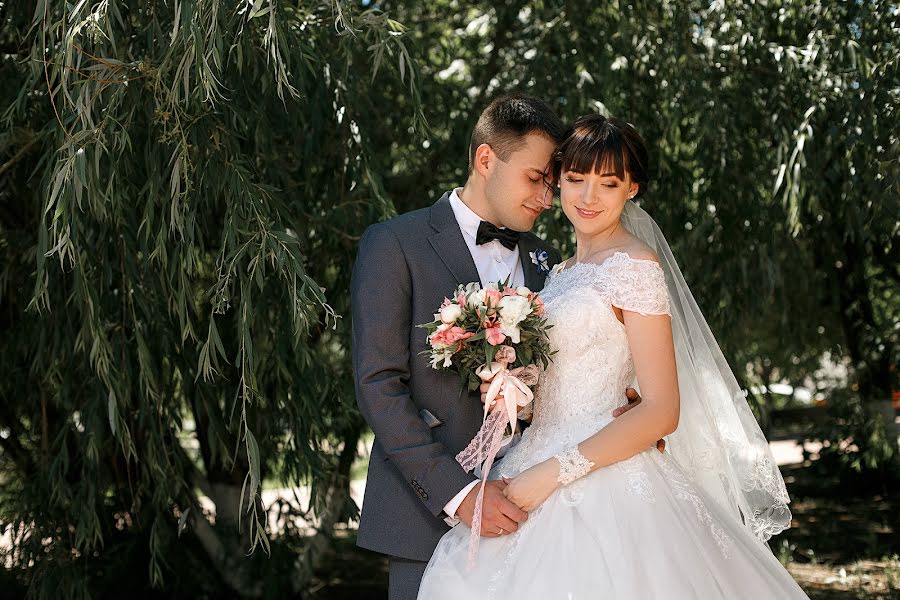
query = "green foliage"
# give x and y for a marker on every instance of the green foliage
(774, 155)
(180, 180)
(857, 443)
(183, 183)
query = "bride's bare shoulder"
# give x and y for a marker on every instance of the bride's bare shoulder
(639, 250)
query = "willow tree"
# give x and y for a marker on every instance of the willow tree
(182, 187)
(775, 156)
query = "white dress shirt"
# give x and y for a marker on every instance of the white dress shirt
(495, 262)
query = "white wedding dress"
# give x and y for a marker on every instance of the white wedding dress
(639, 529)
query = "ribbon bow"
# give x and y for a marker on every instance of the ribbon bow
(483, 448)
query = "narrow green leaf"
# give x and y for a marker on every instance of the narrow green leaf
(113, 410)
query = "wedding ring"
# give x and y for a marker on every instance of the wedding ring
(501, 531)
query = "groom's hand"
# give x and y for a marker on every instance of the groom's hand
(633, 400)
(497, 512)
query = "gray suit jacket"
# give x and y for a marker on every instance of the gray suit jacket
(404, 269)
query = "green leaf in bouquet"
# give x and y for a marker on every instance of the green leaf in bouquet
(525, 354)
(464, 376)
(474, 382)
(489, 353)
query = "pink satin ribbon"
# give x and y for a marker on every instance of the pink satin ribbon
(483, 448)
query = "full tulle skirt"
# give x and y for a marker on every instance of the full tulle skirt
(635, 530)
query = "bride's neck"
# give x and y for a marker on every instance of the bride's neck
(589, 246)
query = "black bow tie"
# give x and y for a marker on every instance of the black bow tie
(488, 232)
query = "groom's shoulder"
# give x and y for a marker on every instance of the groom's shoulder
(412, 224)
(402, 226)
(410, 221)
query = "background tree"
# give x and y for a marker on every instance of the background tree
(180, 180)
(776, 164)
(182, 183)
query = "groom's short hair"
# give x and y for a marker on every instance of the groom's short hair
(506, 121)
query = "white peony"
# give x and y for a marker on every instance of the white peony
(513, 310)
(523, 291)
(476, 298)
(450, 313)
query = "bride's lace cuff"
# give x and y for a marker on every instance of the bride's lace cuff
(572, 465)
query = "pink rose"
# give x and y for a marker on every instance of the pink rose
(461, 299)
(529, 375)
(458, 334)
(449, 337)
(494, 336)
(492, 297)
(510, 291)
(505, 354)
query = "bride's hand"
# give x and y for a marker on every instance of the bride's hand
(531, 487)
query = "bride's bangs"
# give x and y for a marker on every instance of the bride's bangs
(594, 149)
(604, 145)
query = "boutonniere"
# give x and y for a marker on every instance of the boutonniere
(539, 257)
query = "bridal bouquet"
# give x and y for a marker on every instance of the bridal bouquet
(499, 335)
(472, 331)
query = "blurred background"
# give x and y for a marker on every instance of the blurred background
(182, 187)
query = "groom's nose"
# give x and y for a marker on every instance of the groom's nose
(545, 198)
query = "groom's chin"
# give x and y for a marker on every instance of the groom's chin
(526, 221)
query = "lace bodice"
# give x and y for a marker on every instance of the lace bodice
(592, 366)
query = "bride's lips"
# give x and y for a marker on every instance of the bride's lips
(587, 214)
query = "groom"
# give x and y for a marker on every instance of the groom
(405, 267)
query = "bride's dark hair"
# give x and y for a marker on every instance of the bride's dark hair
(604, 145)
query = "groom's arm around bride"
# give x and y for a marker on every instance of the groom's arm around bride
(421, 417)
(405, 446)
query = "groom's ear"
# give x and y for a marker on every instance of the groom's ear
(484, 159)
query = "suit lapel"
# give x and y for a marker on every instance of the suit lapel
(451, 248)
(534, 277)
(449, 244)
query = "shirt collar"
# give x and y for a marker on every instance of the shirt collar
(467, 218)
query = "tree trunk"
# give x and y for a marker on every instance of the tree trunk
(335, 500)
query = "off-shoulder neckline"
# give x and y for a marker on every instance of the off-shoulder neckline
(563, 269)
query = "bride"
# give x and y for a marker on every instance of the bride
(610, 516)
